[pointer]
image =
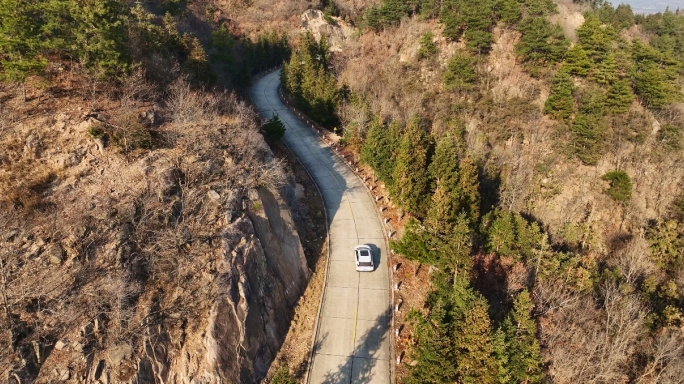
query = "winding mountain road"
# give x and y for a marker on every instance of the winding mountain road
(352, 341)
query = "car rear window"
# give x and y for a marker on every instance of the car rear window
(365, 264)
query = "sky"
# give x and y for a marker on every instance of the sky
(651, 6)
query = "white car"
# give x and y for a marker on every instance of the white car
(364, 258)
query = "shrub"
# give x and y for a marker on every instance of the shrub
(96, 131)
(671, 137)
(427, 46)
(460, 72)
(282, 376)
(620, 185)
(273, 129)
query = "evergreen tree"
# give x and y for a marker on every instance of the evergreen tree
(541, 42)
(453, 344)
(576, 61)
(475, 358)
(560, 102)
(620, 185)
(619, 97)
(478, 17)
(500, 232)
(273, 129)
(379, 148)
(605, 71)
(450, 16)
(623, 17)
(588, 138)
(418, 244)
(539, 8)
(654, 86)
(19, 39)
(427, 46)
(596, 38)
(469, 188)
(411, 178)
(461, 72)
(523, 362)
(100, 37)
(445, 207)
(508, 11)
(308, 79)
(197, 64)
(433, 351)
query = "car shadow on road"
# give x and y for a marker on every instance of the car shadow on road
(359, 368)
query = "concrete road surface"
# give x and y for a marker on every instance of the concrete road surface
(352, 338)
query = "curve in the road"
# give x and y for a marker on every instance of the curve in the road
(352, 339)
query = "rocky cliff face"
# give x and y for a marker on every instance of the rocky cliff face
(173, 262)
(335, 30)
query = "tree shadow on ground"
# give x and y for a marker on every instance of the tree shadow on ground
(359, 368)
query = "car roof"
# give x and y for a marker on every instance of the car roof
(359, 249)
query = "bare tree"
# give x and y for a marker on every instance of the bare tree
(632, 260)
(593, 345)
(666, 355)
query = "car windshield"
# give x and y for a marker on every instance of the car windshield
(364, 253)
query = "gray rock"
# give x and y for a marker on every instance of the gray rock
(10, 235)
(101, 143)
(59, 345)
(213, 195)
(119, 353)
(147, 118)
(54, 254)
(34, 250)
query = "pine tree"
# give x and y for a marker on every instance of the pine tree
(478, 17)
(576, 61)
(197, 65)
(474, 352)
(588, 138)
(596, 38)
(451, 17)
(560, 102)
(541, 42)
(20, 43)
(417, 244)
(411, 178)
(427, 46)
(100, 36)
(605, 71)
(379, 147)
(523, 360)
(651, 83)
(539, 7)
(434, 350)
(461, 73)
(500, 232)
(509, 11)
(469, 188)
(619, 97)
(445, 206)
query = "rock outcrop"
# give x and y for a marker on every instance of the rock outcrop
(336, 32)
(179, 263)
